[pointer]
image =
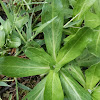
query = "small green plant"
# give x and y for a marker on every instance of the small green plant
(18, 30)
(62, 62)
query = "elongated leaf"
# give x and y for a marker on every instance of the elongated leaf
(37, 93)
(18, 67)
(92, 76)
(53, 89)
(91, 20)
(76, 73)
(87, 59)
(39, 54)
(29, 27)
(10, 16)
(82, 6)
(2, 38)
(74, 46)
(39, 29)
(94, 46)
(53, 32)
(4, 84)
(23, 87)
(35, 9)
(72, 89)
(96, 93)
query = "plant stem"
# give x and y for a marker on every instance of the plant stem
(96, 86)
(36, 19)
(17, 96)
(10, 97)
(70, 20)
(7, 80)
(18, 53)
(33, 36)
(20, 35)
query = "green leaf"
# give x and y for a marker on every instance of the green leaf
(74, 47)
(53, 89)
(39, 54)
(4, 84)
(23, 86)
(7, 26)
(53, 32)
(68, 38)
(96, 93)
(66, 9)
(14, 42)
(1, 20)
(72, 2)
(87, 59)
(33, 44)
(29, 27)
(97, 7)
(68, 13)
(94, 46)
(72, 89)
(1, 27)
(40, 41)
(37, 93)
(18, 67)
(81, 7)
(65, 4)
(92, 76)
(91, 19)
(20, 21)
(41, 27)
(76, 73)
(2, 38)
(35, 9)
